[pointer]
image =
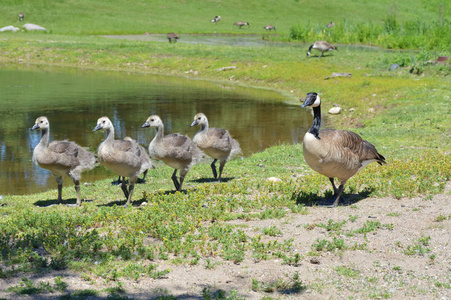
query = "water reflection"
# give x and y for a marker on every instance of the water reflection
(73, 100)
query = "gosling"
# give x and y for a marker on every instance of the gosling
(61, 158)
(147, 164)
(215, 142)
(121, 156)
(175, 150)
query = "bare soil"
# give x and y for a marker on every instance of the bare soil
(408, 257)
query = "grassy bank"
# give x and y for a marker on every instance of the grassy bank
(406, 115)
(87, 17)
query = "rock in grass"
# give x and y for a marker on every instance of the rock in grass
(34, 27)
(9, 28)
(335, 110)
(274, 179)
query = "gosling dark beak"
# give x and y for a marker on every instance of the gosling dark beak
(194, 123)
(98, 127)
(145, 125)
(35, 126)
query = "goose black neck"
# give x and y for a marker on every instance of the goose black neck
(316, 122)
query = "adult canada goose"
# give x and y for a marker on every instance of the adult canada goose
(175, 150)
(269, 27)
(121, 156)
(335, 153)
(172, 37)
(146, 165)
(215, 142)
(331, 24)
(322, 46)
(21, 16)
(241, 24)
(61, 158)
(216, 19)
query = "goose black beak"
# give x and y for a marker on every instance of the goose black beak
(194, 123)
(35, 126)
(310, 99)
(98, 127)
(145, 125)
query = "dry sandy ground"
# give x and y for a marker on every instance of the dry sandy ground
(382, 270)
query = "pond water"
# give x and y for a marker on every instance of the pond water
(73, 100)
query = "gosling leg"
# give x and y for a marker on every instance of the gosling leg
(213, 168)
(143, 180)
(183, 173)
(59, 181)
(77, 190)
(117, 182)
(130, 192)
(124, 188)
(176, 182)
(221, 167)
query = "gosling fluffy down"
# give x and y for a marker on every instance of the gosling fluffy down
(61, 158)
(175, 150)
(215, 142)
(123, 157)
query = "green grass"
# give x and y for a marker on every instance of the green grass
(87, 17)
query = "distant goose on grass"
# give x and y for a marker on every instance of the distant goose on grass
(175, 150)
(216, 19)
(335, 153)
(215, 142)
(322, 46)
(241, 24)
(269, 27)
(172, 37)
(331, 24)
(61, 158)
(121, 156)
(21, 16)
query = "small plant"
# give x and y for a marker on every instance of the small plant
(345, 271)
(272, 231)
(293, 285)
(60, 285)
(325, 245)
(419, 247)
(292, 260)
(393, 214)
(397, 268)
(441, 218)
(27, 287)
(332, 226)
(353, 218)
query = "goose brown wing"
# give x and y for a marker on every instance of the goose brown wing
(353, 143)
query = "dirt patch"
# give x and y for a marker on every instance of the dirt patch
(406, 254)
